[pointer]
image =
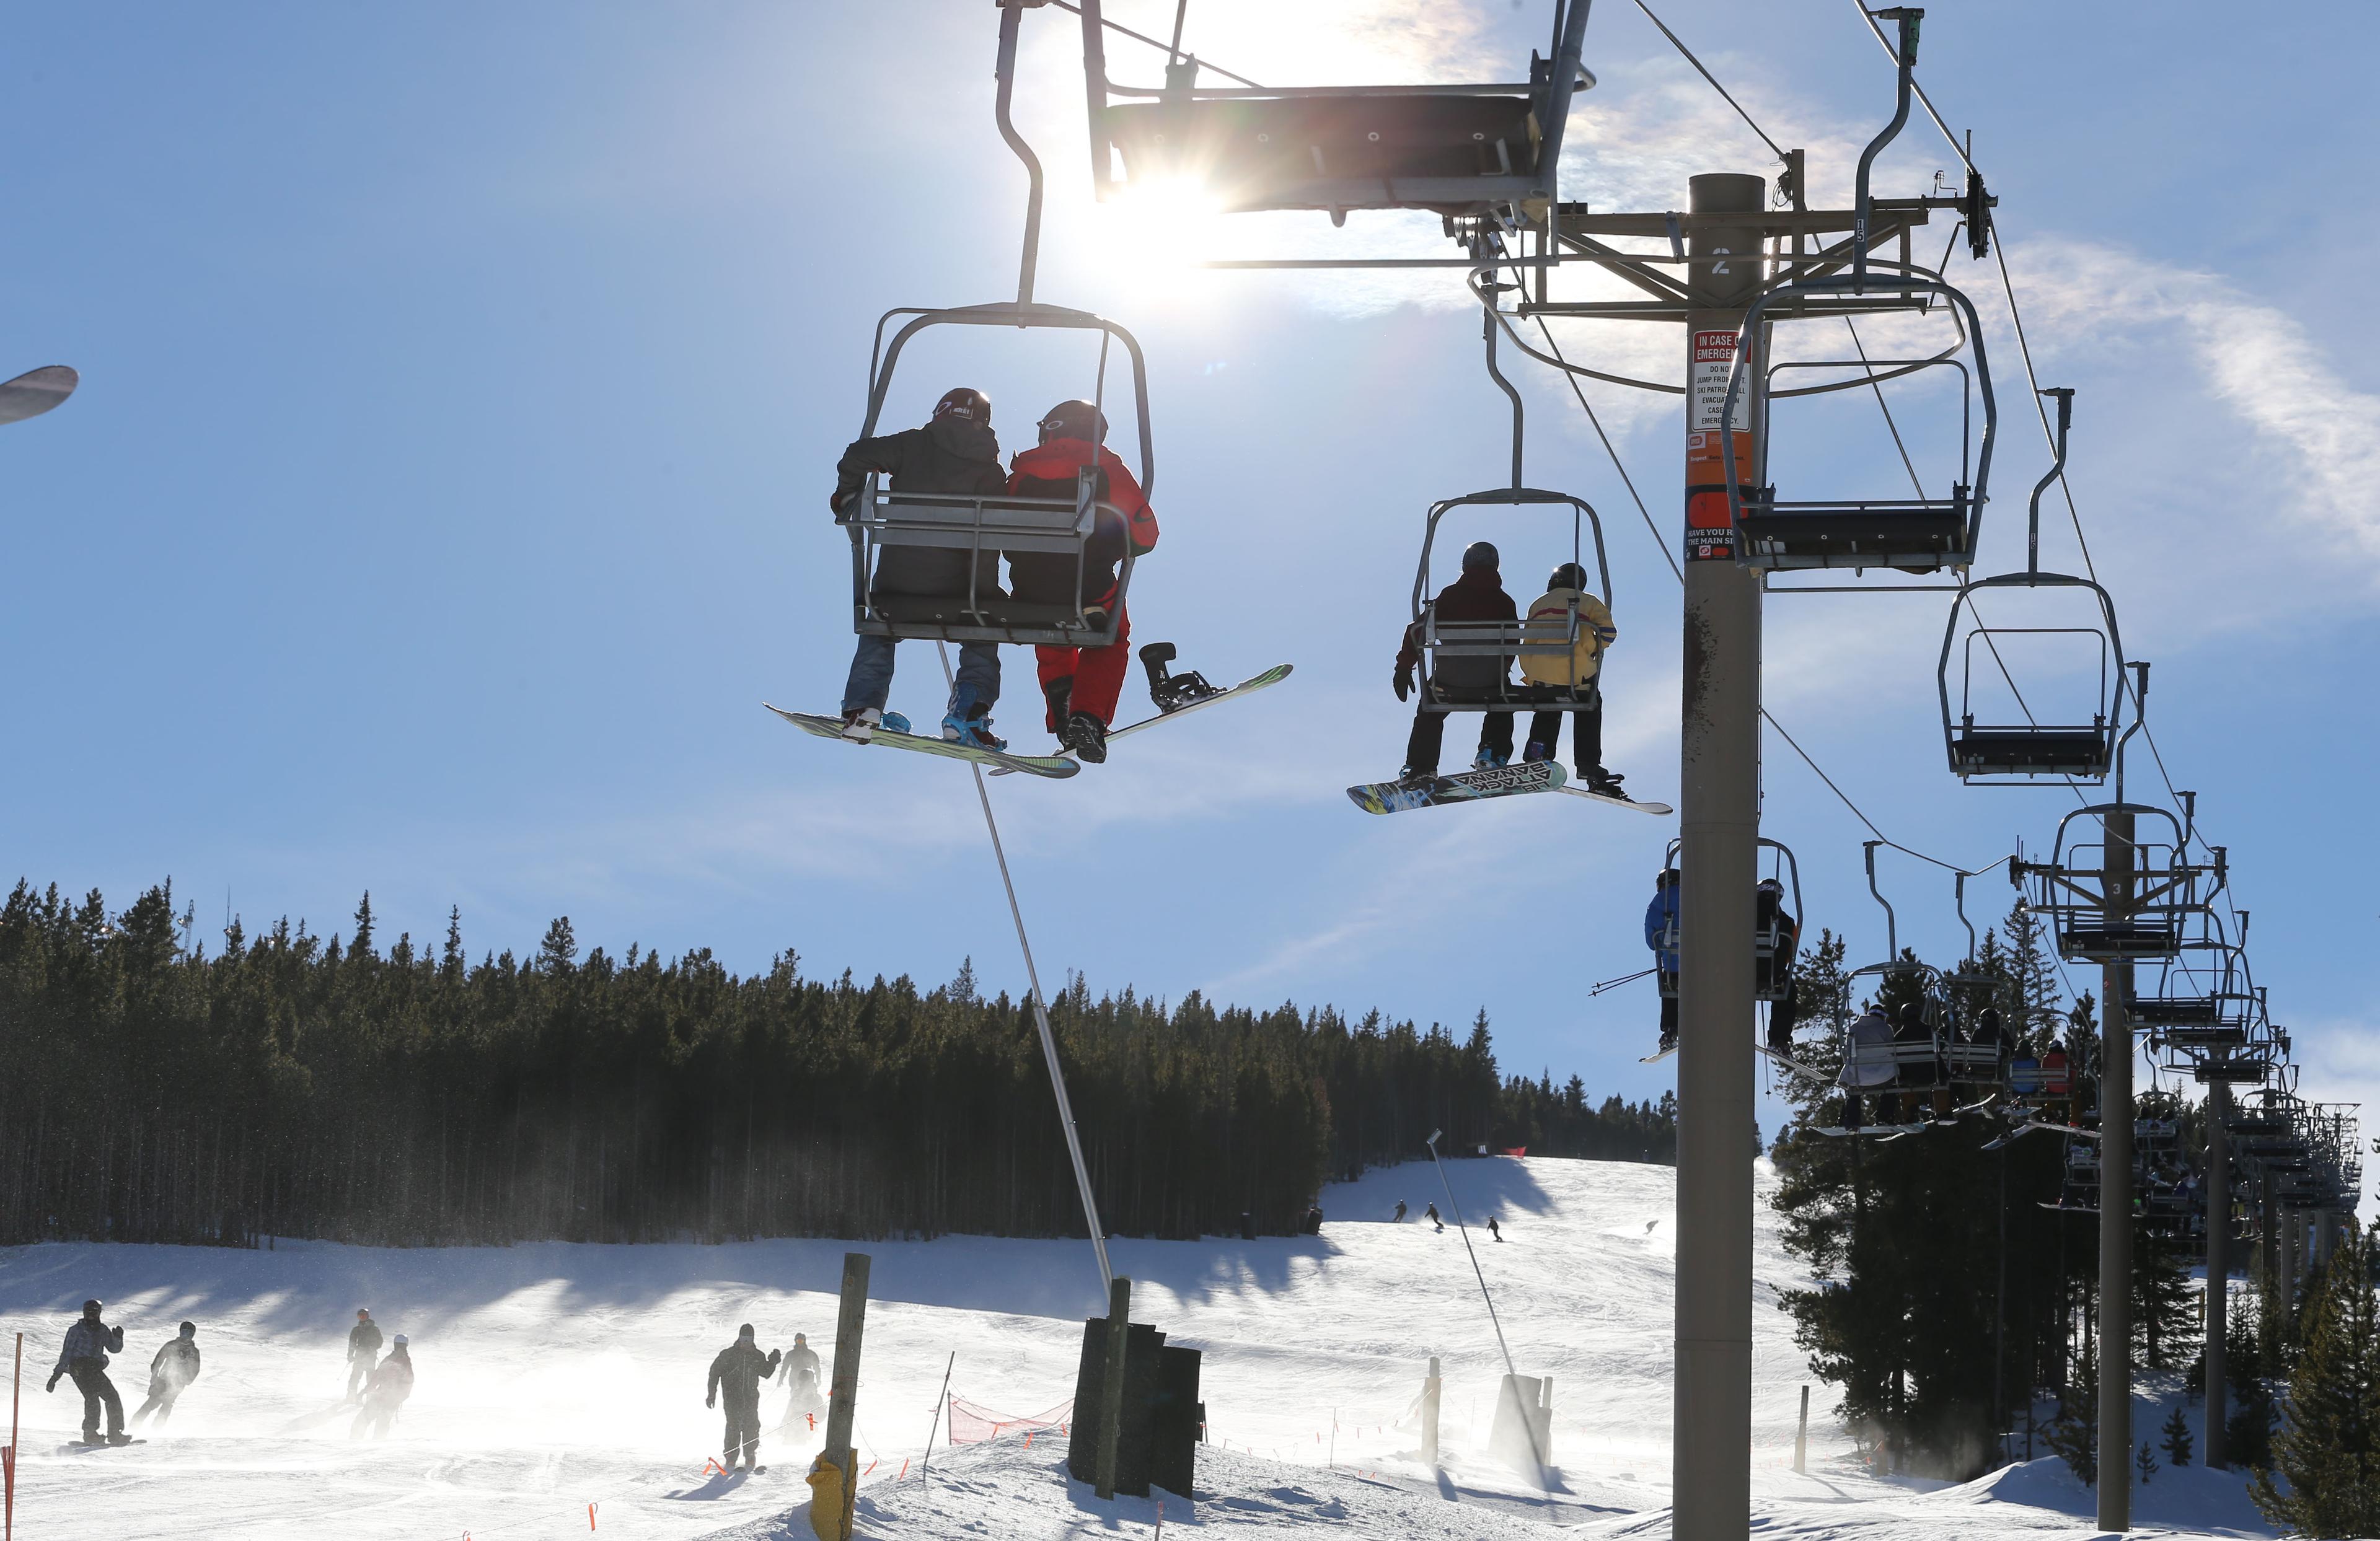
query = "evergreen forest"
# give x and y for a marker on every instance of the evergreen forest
(348, 1089)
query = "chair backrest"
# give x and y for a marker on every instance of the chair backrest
(958, 522)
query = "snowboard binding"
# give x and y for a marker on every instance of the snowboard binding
(1171, 692)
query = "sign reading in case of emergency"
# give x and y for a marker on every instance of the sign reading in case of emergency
(1711, 531)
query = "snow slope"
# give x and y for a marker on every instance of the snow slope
(552, 1377)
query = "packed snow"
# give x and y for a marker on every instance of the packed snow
(553, 1377)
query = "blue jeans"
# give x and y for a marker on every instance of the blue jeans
(870, 684)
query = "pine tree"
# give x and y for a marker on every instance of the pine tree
(363, 942)
(2074, 1436)
(2328, 1451)
(2147, 1461)
(2178, 1444)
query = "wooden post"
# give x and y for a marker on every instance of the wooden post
(1112, 1383)
(1801, 1436)
(1429, 1396)
(8, 1476)
(843, 1396)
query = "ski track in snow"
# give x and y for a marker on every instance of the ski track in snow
(554, 1376)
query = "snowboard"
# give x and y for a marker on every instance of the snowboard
(1881, 1132)
(1656, 810)
(35, 392)
(1657, 1057)
(1471, 786)
(73, 1445)
(1274, 675)
(1795, 1065)
(832, 727)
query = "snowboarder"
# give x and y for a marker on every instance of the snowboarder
(739, 1369)
(956, 452)
(1868, 1064)
(1400, 1215)
(801, 1373)
(1477, 595)
(386, 1392)
(1660, 935)
(170, 1373)
(1770, 918)
(1492, 1230)
(83, 1357)
(1430, 1215)
(1912, 1036)
(1566, 592)
(363, 1353)
(1081, 685)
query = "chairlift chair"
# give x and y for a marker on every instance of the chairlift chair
(2076, 890)
(974, 525)
(1454, 150)
(1769, 940)
(2013, 754)
(1917, 534)
(1468, 664)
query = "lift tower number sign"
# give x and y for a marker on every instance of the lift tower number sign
(1710, 531)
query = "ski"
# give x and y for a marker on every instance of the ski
(1471, 786)
(2002, 1142)
(1873, 1132)
(1792, 1064)
(35, 392)
(832, 727)
(1274, 675)
(1656, 810)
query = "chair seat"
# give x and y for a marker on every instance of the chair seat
(1389, 151)
(1494, 698)
(1920, 537)
(995, 619)
(2030, 751)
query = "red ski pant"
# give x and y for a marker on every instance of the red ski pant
(1097, 673)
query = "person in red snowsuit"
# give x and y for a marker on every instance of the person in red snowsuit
(1082, 684)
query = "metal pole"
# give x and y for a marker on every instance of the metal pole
(1801, 1436)
(2115, 1193)
(1719, 826)
(932, 1429)
(1112, 1385)
(1011, 13)
(2218, 1265)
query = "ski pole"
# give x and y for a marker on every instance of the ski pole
(1615, 984)
(923, 1459)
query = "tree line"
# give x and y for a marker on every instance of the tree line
(290, 1085)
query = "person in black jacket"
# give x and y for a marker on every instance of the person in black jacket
(170, 1373)
(738, 1370)
(83, 1357)
(363, 1353)
(801, 1373)
(956, 452)
(1477, 595)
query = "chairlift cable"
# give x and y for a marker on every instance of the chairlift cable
(1143, 37)
(1679, 44)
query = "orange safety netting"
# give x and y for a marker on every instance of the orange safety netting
(972, 1425)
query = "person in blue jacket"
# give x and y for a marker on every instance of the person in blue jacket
(1660, 925)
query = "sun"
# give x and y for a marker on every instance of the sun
(1155, 231)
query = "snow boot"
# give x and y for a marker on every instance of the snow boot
(1605, 784)
(1089, 738)
(119, 1437)
(1409, 776)
(1490, 759)
(860, 725)
(968, 721)
(894, 722)
(1060, 694)
(1534, 752)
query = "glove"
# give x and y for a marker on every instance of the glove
(52, 1386)
(1404, 682)
(841, 501)
(711, 1401)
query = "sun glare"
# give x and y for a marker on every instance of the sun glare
(1158, 230)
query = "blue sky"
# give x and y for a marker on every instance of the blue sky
(462, 385)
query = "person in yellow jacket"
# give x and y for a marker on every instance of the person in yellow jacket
(1549, 617)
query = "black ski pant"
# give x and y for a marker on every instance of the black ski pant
(359, 1370)
(743, 1427)
(91, 1379)
(1587, 738)
(1428, 739)
(161, 1393)
(1669, 983)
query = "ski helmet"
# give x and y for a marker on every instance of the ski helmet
(190, 1329)
(1668, 878)
(965, 402)
(90, 1308)
(1772, 885)
(1569, 575)
(1480, 554)
(744, 1332)
(800, 1341)
(362, 1311)
(402, 1339)
(1073, 419)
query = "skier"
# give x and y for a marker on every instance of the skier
(956, 452)
(386, 1392)
(1081, 684)
(1492, 1230)
(1913, 1039)
(801, 1373)
(1430, 1215)
(83, 1357)
(1660, 931)
(1400, 1215)
(1477, 595)
(1869, 1064)
(1565, 591)
(739, 1369)
(364, 1352)
(170, 1373)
